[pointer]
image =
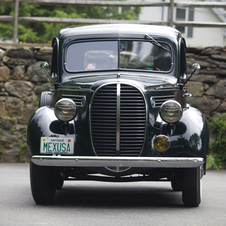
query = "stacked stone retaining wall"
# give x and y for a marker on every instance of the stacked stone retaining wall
(22, 81)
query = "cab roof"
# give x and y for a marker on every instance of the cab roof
(119, 31)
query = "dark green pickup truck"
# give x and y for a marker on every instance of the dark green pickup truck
(116, 111)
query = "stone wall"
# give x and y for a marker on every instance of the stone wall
(208, 88)
(22, 81)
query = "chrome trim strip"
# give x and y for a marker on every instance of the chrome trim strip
(169, 87)
(140, 162)
(165, 97)
(68, 95)
(75, 89)
(118, 119)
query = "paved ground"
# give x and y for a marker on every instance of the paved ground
(100, 203)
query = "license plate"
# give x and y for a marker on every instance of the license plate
(57, 145)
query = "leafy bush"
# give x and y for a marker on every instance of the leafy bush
(29, 32)
(213, 161)
(218, 126)
(218, 147)
(21, 147)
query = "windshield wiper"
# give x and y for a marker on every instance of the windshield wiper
(153, 41)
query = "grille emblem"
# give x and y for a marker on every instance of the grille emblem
(153, 102)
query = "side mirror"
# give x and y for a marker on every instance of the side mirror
(195, 67)
(45, 66)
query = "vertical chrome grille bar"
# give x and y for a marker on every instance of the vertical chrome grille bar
(118, 120)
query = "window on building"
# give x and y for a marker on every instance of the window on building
(190, 18)
(180, 16)
(185, 14)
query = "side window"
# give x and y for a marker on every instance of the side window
(54, 63)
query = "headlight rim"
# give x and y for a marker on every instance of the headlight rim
(163, 118)
(70, 101)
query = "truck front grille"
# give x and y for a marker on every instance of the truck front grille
(118, 119)
(159, 100)
(78, 99)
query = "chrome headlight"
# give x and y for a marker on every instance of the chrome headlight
(65, 110)
(171, 111)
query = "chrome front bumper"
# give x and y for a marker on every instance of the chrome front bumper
(140, 162)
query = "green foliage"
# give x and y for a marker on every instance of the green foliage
(25, 130)
(1, 149)
(218, 126)
(12, 130)
(36, 101)
(12, 119)
(21, 147)
(29, 32)
(6, 28)
(9, 118)
(213, 161)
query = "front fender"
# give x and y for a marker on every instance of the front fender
(43, 123)
(189, 137)
(191, 134)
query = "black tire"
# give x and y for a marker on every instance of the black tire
(42, 184)
(59, 182)
(46, 99)
(192, 187)
(177, 185)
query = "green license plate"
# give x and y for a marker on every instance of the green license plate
(57, 145)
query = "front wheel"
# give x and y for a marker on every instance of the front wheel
(177, 185)
(59, 182)
(42, 184)
(192, 187)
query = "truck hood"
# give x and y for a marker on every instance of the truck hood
(144, 81)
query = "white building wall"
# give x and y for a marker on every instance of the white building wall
(206, 36)
(201, 36)
(153, 13)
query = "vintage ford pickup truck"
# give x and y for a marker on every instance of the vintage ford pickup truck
(117, 111)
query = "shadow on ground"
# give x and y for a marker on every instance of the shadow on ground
(117, 195)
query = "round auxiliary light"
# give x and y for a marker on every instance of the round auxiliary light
(171, 111)
(65, 110)
(161, 143)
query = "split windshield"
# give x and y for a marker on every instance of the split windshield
(104, 55)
